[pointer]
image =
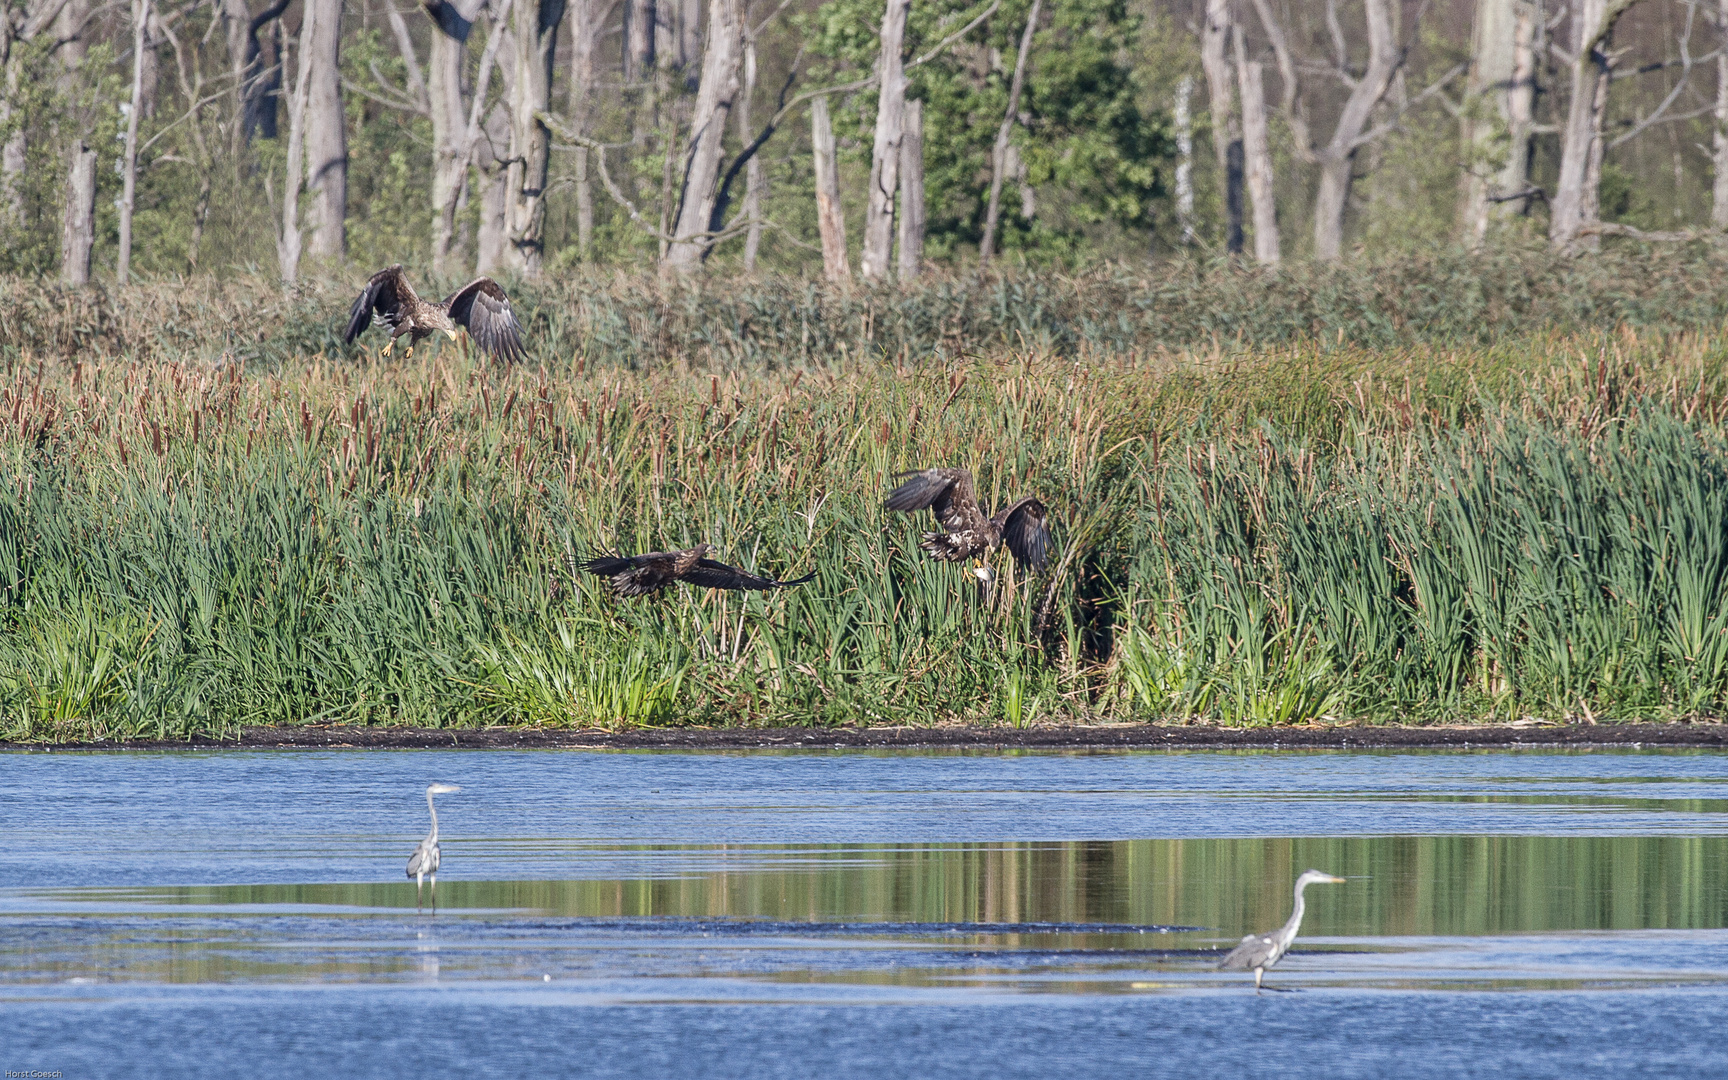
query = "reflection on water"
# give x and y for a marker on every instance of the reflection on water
(1011, 916)
(1403, 885)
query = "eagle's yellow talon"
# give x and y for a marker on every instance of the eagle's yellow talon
(385, 351)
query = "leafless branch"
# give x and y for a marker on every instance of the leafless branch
(1433, 89)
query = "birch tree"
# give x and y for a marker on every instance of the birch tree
(536, 24)
(999, 159)
(288, 240)
(326, 137)
(1719, 137)
(912, 192)
(830, 222)
(1215, 35)
(885, 152)
(1576, 202)
(1335, 158)
(129, 161)
(715, 96)
(1257, 155)
(255, 85)
(78, 232)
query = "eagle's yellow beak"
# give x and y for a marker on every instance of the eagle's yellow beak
(452, 334)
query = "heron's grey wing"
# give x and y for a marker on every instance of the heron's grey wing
(708, 574)
(1026, 533)
(388, 293)
(948, 493)
(422, 862)
(484, 310)
(1255, 951)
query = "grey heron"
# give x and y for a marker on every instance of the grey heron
(1260, 951)
(424, 862)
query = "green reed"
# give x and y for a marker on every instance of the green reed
(1306, 531)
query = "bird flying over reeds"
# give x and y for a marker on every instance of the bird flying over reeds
(480, 307)
(639, 575)
(968, 531)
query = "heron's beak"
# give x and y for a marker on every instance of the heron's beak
(1335, 881)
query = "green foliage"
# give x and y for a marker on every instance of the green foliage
(1091, 155)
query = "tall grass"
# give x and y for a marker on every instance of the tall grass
(646, 324)
(1535, 527)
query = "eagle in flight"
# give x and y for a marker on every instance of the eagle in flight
(969, 532)
(480, 307)
(640, 575)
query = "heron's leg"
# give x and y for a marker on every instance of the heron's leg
(419, 893)
(434, 894)
(1258, 973)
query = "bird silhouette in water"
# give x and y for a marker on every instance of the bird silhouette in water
(423, 863)
(968, 531)
(1260, 951)
(641, 575)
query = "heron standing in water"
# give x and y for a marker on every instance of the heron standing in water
(424, 862)
(1260, 951)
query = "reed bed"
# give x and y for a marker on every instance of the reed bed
(1537, 527)
(645, 324)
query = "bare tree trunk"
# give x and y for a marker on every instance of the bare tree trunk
(1484, 116)
(326, 138)
(129, 162)
(714, 100)
(1719, 138)
(1226, 128)
(78, 236)
(912, 192)
(586, 20)
(754, 181)
(638, 39)
(830, 221)
(449, 158)
(530, 139)
(1185, 158)
(1513, 196)
(1337, 158)
(885, 154)
(288, 243)
(1257, 157)
(999, 159)
(689, 35)
(255, 85)
(492, 239)
(1575, 192)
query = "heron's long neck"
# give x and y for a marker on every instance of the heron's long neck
(433, 835)
(1290, 927)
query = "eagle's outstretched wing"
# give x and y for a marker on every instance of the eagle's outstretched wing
(708, 574)
(948, 493)
(1025, 532)
(388, 293)
(484, 310)
(636, 575)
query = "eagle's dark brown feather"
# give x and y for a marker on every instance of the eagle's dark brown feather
(483, 310)
(639, 575)
(951, 495)
(480, 307)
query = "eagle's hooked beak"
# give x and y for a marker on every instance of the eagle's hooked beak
(452, 334)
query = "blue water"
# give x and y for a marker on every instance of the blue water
(854, 914)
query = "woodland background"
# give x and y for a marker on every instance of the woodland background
(164, 138)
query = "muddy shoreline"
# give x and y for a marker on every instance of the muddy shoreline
(1071, 737)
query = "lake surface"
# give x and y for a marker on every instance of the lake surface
(863, 914)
